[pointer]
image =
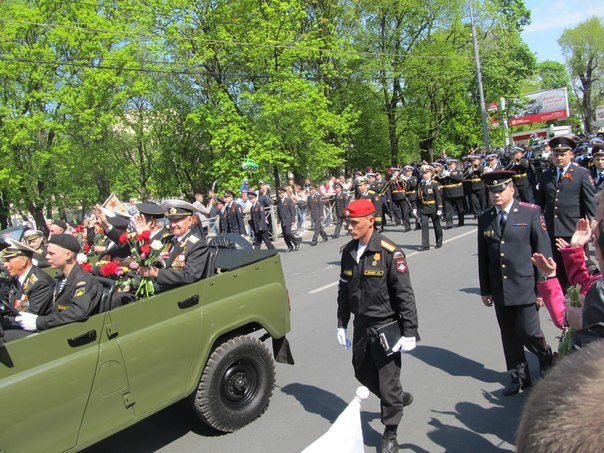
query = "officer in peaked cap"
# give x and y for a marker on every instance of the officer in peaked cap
(566, 194)
(509, 234)
(231, 220)
(258, 223)
(37, 240)
(341, 201)
(520, 166)
(453, 194)
(188, 253)
(429, 201)
(30, 289)
(375, 287)
(597, 172)
(152, 216)
(286, 214)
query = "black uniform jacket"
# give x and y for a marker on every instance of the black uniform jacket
(377, 288)
(565, 203)
(429, 198)
(341, 202)
(377, 203)
(315, 206)
(35, 295)
(411, 189)
(451, 186)
(186, 263)
(504, 259)
(286, 211)
(77, 301)
(258, 218)
(231, 219)
(113, 247)
(598, 182)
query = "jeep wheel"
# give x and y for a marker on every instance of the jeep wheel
(236, 384)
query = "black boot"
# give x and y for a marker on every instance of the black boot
(524, 375)
(389, 442)
(545, 363)
(514, 386)
(407, 399)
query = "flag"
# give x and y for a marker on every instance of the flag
(345, 435)
(114, 204)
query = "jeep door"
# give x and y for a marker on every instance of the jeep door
(158, 338)
(45, 382)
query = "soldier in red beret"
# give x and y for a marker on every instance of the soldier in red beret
(376, 288)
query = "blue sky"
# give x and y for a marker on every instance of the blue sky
(549, 18)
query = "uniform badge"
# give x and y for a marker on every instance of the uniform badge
(488, 233)
(79, 292)
(22, 304)
(401, 266)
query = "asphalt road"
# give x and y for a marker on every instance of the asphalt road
(455, 374)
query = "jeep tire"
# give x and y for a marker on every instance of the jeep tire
(236, 384)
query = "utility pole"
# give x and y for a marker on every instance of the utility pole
(483, 108)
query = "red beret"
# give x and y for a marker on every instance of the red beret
(359, 208)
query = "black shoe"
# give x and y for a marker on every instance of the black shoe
(297, 247)
(288, 250)
(546, 363)
(333, 236)
(512, 389)
(421, 249)
(325, 239)
(313, 243)
(389, 442)
(438, 246)
(407, 399)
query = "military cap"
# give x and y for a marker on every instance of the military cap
(16, 248)
(150, 210)
(497, 181)
(562, 144)
(395, 169)
(118, 222)
(65, 241)
(492, 156)
(338, 184)
(436, 164)
(452, 160)
(597, 150)
(408, 168)
(370, 175)
(178, 208)
(360, 180)
(32, 233)
(280, 190)
(517, 149)
(220, 200)
(359, 208)
(426, 168)
(251, 194)
(229, 193)
(59, 223)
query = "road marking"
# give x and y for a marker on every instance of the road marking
(331, 285)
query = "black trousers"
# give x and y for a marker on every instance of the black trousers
(381, 374)
(264, 237)
(339, 221)
(449, 204)
(318, 230)
(522, 191)
(479, 201)
(288, 237)
(520, 328)
(438, 231)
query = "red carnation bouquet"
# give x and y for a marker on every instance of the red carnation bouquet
(144, 252)
(117, 271)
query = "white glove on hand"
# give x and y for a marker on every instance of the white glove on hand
(27, 321)
(439, 213)
(405, 344)
(341, 335)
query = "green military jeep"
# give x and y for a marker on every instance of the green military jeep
(68, 387)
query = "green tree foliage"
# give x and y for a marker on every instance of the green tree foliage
(583, 47)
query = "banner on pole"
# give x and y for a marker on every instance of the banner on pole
(545, 105)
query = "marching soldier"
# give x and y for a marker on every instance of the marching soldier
(520, 166)
(375, 287)
(597, 173)
(382, 187)
(508, 235)
(340, 202)
(478, 201)
(231, 220)
(452, 191)
(429, 201)
(258, 223)
(366, 193)
(566, 194)
(315, 208)
(409, 206)
(286, 213)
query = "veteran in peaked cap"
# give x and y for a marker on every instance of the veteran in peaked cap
(361, 180)
(497, 181)
(16, 248)
(178, 208)
(562, 144)
(426, 169)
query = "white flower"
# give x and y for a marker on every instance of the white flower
(157, 245)
(81, 258)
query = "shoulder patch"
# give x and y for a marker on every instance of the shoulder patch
(528, 205)
(388, 246)
(193, 239)
(79, 292)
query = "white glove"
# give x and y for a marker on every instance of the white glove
(405, 344)
(414, 213)
(27, 321)
(341, 335)
(439, 213)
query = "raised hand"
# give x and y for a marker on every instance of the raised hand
(582, 234)
(546, 266)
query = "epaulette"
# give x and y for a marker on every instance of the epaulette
(32, 279)
(388, 246)
(528, 205)
(371, 191)
(193, 239)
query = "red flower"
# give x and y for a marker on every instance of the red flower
(567, 176)
(86, 248)
(87, 267)
(123, 238)
(109, 269)
(146, 236)
(145, 249)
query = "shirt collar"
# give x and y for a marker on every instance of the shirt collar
(564, 169)
(24, 276)
(507, 209)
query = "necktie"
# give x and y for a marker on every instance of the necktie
(501, 220)
(560, 175)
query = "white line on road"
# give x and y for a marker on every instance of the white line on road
(331, 285)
